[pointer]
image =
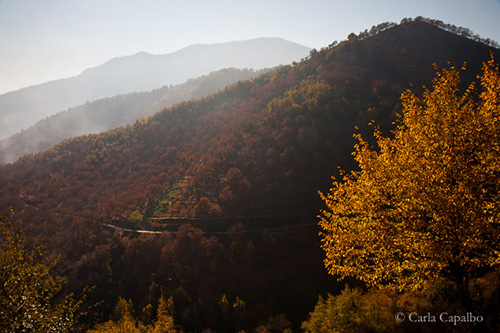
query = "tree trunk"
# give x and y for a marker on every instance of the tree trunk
(462, 281)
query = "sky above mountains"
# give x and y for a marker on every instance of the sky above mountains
(51, 39)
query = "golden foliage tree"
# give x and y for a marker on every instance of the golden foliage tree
(30, 299)
(126, 322)
(353, 311)
(165, 321)
(426, 203)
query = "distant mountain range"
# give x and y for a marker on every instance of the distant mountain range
(140, 72)
(107, 113)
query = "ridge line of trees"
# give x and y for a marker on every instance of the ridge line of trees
(376, 29)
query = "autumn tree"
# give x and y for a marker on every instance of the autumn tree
(126, 322)
(165, 317)
(425, 205)
(29, 293)
(353, 311)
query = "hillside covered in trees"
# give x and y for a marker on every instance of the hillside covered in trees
(111, 112)
(231, 179)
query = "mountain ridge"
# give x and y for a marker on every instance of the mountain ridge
(109, 112)
(21, 108)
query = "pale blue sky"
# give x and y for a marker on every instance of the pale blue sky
(43, 40)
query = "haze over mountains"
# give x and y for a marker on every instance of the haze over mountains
(107, 113)
(140, 72)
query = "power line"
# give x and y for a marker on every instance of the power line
(145, 231)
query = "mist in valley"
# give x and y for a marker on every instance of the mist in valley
(108, 113)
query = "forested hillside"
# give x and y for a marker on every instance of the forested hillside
(111, 112)
(261, 147)
(233, 177)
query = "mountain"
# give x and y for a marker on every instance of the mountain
(232, 178)
(140, 72)
(278, 136)
(108, 113)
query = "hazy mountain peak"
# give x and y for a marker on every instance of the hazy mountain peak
(139, 72)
